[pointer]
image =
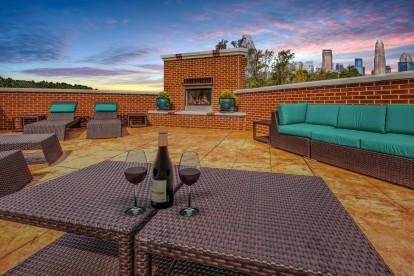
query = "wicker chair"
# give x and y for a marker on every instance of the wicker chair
(105, 123)
(14, 172)
(56, 122)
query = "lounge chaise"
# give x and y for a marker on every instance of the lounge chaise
(105, 123)
(48, 143)
(14, 172)
(61, 116)
(375, 140)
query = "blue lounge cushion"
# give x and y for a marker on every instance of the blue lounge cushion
(400, 118)
(302, 130)
(322, 114)
(106, 107)
(362, 117)
(292, 113)
(390, 143)
(62, 108)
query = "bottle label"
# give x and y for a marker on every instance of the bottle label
(159, 191)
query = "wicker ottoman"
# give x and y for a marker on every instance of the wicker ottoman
(14, 172)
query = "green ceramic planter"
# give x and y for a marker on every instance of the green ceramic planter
(227, 105)
(163, 104)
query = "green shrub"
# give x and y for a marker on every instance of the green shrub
(164, 95)
(228, 94)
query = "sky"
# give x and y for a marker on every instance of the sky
(116, 45)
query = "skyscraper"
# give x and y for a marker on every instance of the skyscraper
(387, 69)
(339, 67)
(379, 59)
(359, 65)
(308, 66)
(327, 63)
(406, 63)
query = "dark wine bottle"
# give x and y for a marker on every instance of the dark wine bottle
(162, 194)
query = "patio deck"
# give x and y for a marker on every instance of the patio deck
(382, 210)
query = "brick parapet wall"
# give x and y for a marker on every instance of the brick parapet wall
(228, 72)
(200, 121)
(259, 104)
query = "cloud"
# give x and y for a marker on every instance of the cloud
(81, 72)
(208, 35)
(200, 18)
(116, 56)
(153, 67)
(111, 21)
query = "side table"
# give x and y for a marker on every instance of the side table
(264, 139)
(23, 119)
(142, 118)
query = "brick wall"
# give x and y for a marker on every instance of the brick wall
(227, 73)
(210, 121)
(259, 104)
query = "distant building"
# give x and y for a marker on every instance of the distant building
(327, 62)
(379, 59)
(406, 63)
(359, 65)
(308, 66)
(339, 67)
(387, 69)
(349, 67)
(295, 65)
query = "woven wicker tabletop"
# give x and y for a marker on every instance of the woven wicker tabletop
(260, 224)
(88, 202)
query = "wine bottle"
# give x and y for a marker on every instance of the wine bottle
(162, 194)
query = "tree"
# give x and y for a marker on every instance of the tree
(241, 43)
(353, 72)
(259, 64)
(344, 74)
(221, 45)
(300, 75)
(282, 74)
(9, 82)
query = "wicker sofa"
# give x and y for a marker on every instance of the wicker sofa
(375, 140)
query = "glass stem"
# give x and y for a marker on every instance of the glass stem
(189, 197)
(135, 196)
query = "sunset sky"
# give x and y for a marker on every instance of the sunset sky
(117, 45)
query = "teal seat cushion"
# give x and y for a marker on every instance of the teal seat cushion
(390, 143)
(105, 107)
(400, 118)
(302, 130)
(322, 114)
(62, 108)
(292, 113)
(341, 136)
(362, 117)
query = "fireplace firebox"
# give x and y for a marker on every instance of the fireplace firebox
(198, 94)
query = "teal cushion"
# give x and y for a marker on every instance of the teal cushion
(292, 113)
(105, 107)
(390, 143)
(62, 108)
(362, 117)
(322, 114)
(400, 118)
(302, 130)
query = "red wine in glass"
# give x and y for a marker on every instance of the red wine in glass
(189, 173)
(189, 176)
(135, 175)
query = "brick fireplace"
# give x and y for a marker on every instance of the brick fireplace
(195, 80)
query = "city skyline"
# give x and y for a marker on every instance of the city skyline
(111, 45)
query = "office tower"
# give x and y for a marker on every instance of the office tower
(406, 63)
(349, 67)
(359, 65)
(379, 59)
(339, 67)
(308, 66)
(327, 59)
(387, 69)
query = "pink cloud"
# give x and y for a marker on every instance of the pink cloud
(346, 11)
(208, 35)
(401, 20)
(81, 72)
(200, 18)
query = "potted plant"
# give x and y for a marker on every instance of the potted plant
(227, 101)
(163, 101)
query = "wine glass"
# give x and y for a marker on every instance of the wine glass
(189, 172)
(135, 174)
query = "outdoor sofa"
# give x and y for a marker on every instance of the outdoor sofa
(61, 116)
(14, 172)
(375, 140)
(105, 123)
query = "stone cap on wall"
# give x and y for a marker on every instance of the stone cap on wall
(206, 54)
(365, 79)
(54, 90)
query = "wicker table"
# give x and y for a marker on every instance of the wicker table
(90, 202)
(48, 143)
(260, 224)
(23, 119)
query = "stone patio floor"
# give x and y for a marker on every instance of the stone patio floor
(384, 211)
